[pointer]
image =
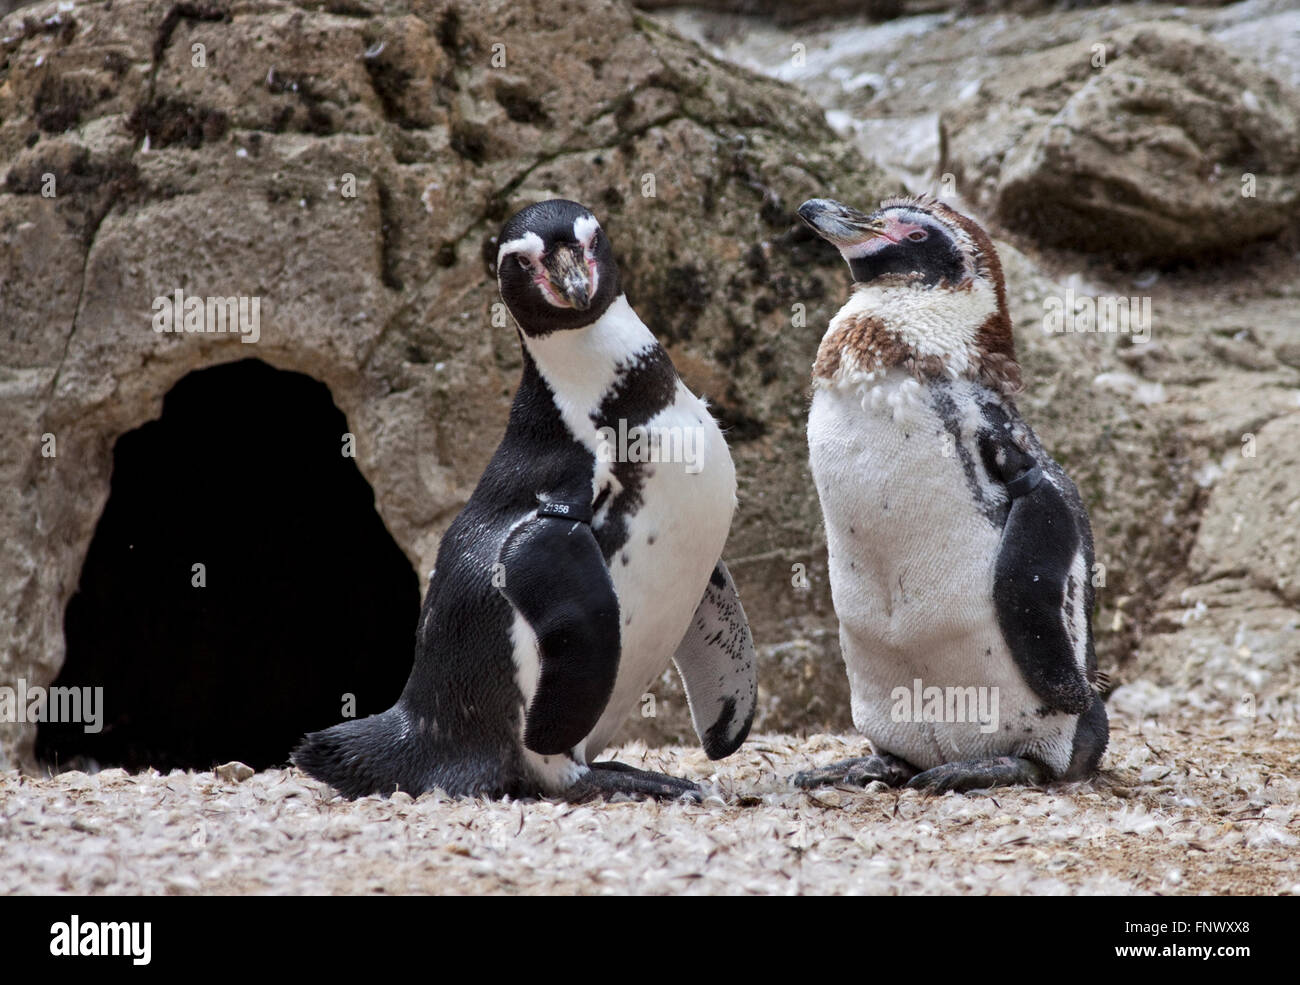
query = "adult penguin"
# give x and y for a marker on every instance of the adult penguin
(587, 559)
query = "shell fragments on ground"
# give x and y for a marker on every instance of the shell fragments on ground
(1185, 804)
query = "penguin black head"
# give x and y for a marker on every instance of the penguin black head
(917, 238)
(555, 267)
(922, 244)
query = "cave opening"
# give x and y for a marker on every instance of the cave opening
(239, 587)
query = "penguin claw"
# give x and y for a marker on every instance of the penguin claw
(610, 779)
(859, 772)
(979, 774)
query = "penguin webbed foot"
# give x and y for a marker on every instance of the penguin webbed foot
(980, 774)
(858, 772)
(609, 779)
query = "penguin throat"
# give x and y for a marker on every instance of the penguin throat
(582, 367)
(932, 332)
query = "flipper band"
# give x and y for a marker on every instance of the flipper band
(1025, 483)
(577, 512)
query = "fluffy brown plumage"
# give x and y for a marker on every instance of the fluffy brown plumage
(910, 245)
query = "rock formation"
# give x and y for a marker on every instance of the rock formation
(349, 164)
(1154, 141)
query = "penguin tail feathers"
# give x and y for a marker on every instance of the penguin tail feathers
(364, 756)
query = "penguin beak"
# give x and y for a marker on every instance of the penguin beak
(839, 224)
(566, 269)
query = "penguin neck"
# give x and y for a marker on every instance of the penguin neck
(581, 365)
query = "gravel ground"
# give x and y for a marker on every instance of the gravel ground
(1186, 804)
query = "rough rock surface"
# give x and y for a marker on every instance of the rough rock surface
(1228, 636)
(231, 177)
(1149, 429)
(1141, 153)
(240, 188)
(1191, 804)
(784, 12)
(1154, 141)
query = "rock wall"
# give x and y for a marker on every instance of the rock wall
(212, 147)
(1153, 141)
(236, 176)
(1128, 171)
(1228, 635)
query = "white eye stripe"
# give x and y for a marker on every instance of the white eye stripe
(529, 245)
(585, 228)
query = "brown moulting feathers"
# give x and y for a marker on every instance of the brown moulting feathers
(912, 244)
(958, 550)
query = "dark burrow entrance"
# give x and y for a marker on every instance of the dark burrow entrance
(307, 598)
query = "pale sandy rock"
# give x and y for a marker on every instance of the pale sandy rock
(1228, 633)
(1141, 154)
(1252, 526)
(234, 772)
(1154, 140)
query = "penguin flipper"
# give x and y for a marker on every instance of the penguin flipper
(556, 578)
(717, 665)
(1039, 587)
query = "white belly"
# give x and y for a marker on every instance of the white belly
(673, 542)
(911, 561)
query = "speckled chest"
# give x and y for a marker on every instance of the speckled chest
(913, 527)
(913, 520)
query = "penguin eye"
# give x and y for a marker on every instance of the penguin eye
(523, 262)
(916, 235)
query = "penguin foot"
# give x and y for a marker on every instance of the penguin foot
(609, 779)
(859, 772)
(979, 774)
